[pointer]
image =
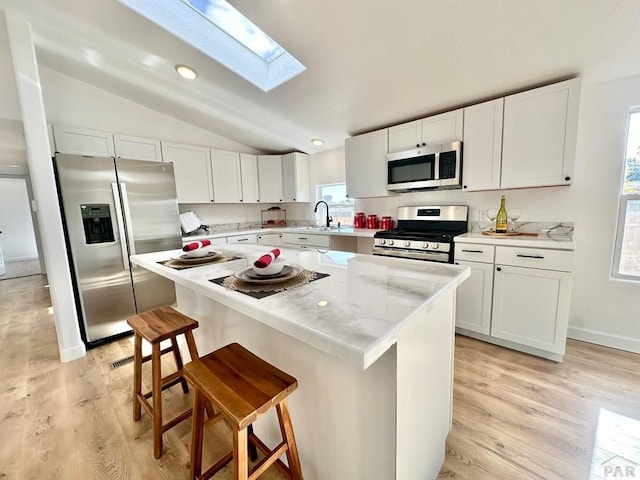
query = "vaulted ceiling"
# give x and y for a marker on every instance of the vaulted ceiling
(370, 63)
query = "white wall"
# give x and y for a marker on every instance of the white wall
(17, 239)
(75, 103)
(9, 106)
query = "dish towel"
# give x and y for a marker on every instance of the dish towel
(267, 258)
(194, 245)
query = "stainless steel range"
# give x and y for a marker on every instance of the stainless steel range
(423, 233)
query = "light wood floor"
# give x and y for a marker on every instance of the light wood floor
(515, 416)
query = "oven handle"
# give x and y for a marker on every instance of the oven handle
(398, 253)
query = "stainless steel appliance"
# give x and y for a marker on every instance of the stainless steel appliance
(431, 167)
(113, 208)
(423, 233)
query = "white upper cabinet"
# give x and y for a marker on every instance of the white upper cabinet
(270, 178)
(137, 148)
(80, 141)
(192, 169)
(295, 177)
(539, 139)
(482, 146)
(249, 178)
(442, 128)
(366, 164)
(225, 169)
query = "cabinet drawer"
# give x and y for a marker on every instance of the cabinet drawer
(243, 239)
(560, 260)
(307, 239)
(473, 252)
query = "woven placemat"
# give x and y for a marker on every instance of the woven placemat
(256, 290)
(178, 265)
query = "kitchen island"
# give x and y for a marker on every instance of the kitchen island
(371, 346)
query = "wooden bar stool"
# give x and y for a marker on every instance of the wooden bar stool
(155, 326)
(242, 387)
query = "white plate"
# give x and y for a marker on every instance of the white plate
(250, 276)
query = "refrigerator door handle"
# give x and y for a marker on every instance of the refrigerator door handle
(127, 218)
(120, 223)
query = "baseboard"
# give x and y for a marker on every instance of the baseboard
(18, 259)
(604, 339)
(72, 353)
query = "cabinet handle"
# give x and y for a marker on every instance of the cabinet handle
(567, 179)
(522, 255)
(303, 238)
(499, 269)
(242, 240)
(473, 251)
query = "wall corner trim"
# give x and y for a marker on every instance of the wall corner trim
(72, 353)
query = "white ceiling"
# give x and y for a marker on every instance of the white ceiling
(370, 63)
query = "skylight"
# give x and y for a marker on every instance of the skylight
(218, 30)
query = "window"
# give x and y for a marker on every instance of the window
(626, 263)
(341, 207)
(220, 31)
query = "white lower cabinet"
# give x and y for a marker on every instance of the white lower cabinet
(473, 298)
(520, 300)
(270, 239)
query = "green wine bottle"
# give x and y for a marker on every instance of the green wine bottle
(501, 218)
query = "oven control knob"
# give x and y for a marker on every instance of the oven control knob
(382, 241)
(435, 245)
(390, 242)
(425, 245)
(407, 244)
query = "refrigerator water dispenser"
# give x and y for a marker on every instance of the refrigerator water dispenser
(96, 220)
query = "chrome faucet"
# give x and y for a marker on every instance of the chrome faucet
(329, 219)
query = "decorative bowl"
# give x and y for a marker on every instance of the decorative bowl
(273, 268)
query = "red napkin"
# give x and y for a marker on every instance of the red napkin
(267, 258)
(193, 245)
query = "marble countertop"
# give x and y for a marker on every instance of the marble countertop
(357, 313)
(555, 242)
(343, 231)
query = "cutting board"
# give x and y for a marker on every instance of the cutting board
(509, 234)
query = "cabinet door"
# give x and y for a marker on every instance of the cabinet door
(473, 298)
(192, 169)
(482, 146)
(137, 148)
(270, 178)
(249, 178)
(270, 239)
(531, 307)
(225, 171)
(405, 136)
(442, 128)
(539, 139)
(80, 141)
(295, 177)
(366, 165)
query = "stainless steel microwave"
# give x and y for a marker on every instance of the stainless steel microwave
(430, 167)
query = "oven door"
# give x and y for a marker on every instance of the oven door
(441, 257)
(413, 169)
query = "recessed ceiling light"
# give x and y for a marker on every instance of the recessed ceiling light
(186, 72)
(317, 141)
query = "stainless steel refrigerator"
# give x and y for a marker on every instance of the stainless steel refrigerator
(113, 208)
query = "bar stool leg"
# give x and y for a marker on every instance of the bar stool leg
(156, 395)
(197, 431)
(240, 460)
(284, 419)
(137, 377)
(178, 358)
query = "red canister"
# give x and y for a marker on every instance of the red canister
(359, 220)
(372, 221)
(386, 223)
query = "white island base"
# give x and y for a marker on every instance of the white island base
(389, 421)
